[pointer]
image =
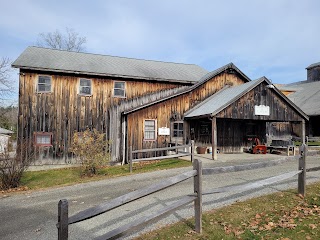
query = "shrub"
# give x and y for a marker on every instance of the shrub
(11, 170)
(92, 150)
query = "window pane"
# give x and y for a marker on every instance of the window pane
(119, 92)
(43, 139)
(42, 88)
(149, 129)
(119, 85)
(85, 82)
(44, 79)
(180, 126)
(44, 84)
(85, 90)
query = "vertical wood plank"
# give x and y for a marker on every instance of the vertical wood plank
(130, 159)
(302, 166)
(197, 165)
(63, 219)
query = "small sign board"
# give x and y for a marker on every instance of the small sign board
(262, 110)
(164, 131)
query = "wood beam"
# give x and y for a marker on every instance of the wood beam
(214, 138)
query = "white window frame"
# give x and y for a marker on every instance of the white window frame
(85, 86)
(44, 84)
(43, 139)
(177, 130)
(146, 132)
(117, 88)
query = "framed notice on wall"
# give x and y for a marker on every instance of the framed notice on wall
(262, 110)
(164, 131)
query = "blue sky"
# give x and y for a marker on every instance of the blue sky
(275, 38)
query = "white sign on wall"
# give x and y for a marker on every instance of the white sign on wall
(164, 131)
(262, 110)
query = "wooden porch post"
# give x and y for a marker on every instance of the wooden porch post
(303, 132)
(214, 138)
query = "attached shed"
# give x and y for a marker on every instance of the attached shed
(233, 115)
(233, 109)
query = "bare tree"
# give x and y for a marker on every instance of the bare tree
(70, 41)
(6, 87)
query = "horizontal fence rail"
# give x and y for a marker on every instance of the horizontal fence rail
(177, 155)
(129, 197)
(254, 185)
(251, 166)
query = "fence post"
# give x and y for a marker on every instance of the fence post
(130, 159)
(197, 165)
(302, 166)
(63, 219)
(192, 150)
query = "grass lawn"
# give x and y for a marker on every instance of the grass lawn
(283, 215)
(68, 176)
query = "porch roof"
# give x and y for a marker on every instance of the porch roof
(227, 95)
(221, 99)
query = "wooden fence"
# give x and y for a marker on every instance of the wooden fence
(64, 220)
(166, 156)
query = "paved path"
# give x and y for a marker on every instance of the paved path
(33, 215)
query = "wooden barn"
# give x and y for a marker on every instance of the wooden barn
(63, 92)
(133, 101)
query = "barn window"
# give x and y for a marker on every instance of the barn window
(150, 129)
(177, 129)
(119, 89)
(43, 139)
(85, 87)
(44, 84)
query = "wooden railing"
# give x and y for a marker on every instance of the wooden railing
(64, 220)
(155, 150)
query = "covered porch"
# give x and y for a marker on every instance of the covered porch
(229, 119)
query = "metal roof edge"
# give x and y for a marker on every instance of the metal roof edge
(183, 91)
(104, 75)
(204, 79)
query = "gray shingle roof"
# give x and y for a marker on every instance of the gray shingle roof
(313, 65)
(5, 131)
(221, 99)
(306, 96)
(93, 64)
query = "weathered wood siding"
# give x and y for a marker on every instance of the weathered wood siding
(63, 111)
(260, 95)
(174, 109)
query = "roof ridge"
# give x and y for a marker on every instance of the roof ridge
(107, 55)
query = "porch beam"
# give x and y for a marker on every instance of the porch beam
(214, 138)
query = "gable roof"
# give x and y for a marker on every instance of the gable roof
(203, 80)
(45, 59)
(306, 95)
(226, 96)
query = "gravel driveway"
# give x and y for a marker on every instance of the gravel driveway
(33, 215)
